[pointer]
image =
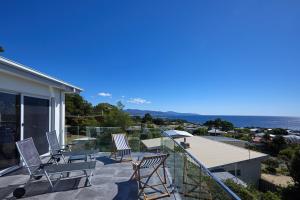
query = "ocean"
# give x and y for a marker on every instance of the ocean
(292, 123)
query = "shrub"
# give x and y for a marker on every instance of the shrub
(200, 131)
(295, 166)
(269, 196)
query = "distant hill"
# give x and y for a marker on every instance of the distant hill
(136, 112)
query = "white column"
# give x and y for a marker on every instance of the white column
(62, 118)
(21, 117)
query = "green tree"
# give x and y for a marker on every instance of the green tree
(250, 193)
(266, 137)
(120, 105)
(179, 128)
(277, 144)
(79, 112)
(288, 153)
(76, 109)
(147, 118)
(278, 131)
(295, 166)
(136, 119)
(200, 131)
(220, 124)
(270, 196)
(226, 126)
(271, 165)
(243, 192)
(113, 117)
(158, 121)
(102, 108)
(76, 105)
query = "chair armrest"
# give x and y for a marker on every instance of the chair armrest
(136, 163)
(41, 166)
(56, 154)
(32, 166)
(45, 164)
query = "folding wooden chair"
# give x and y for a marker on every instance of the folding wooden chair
(120, 146)
(154, 162)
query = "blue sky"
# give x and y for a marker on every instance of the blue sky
(206, 57)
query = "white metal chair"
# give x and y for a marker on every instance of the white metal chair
(57, 152)
(37, 168)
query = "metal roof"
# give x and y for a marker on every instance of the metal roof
(29, 73)
(222, 139)
(152, 144)
(177, 133)
(214, 154)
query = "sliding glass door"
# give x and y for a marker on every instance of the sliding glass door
(36, 122)
(9, 129)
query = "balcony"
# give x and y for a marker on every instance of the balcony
(187, 177)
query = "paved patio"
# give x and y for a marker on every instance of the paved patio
(110, 181)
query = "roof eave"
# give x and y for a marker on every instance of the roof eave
(24, 71)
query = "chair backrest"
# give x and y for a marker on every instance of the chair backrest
(53, 142)
(29, 154)
(120, 141)
(152, 161)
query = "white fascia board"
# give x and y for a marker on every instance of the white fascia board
(27, 72)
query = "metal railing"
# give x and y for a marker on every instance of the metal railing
(190, 178)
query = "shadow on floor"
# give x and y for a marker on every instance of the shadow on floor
(5, 192)
(106, 160)
(41, 187)
(127, 190)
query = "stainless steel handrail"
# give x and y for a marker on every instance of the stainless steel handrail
(220, 183)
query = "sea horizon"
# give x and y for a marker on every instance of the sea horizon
(285, 122)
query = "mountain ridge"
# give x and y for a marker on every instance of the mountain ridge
(138, 112)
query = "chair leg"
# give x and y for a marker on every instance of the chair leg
(139, 178)
(133, 176)
(88, 181)
(146, 185)
(49, 180)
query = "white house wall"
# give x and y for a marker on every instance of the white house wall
(12, 83)
(250, 170)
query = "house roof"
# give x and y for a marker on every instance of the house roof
(222, 139)
(217, 131)
(213, 154)
(23, 71)
(178, 133)
(152, 144)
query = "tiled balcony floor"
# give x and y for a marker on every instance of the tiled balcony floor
(110, 181)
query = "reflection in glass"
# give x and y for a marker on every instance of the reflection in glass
(9, 129)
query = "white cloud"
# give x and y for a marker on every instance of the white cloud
(138, 101)
(105, 94)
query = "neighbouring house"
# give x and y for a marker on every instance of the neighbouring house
(216, 132)
(31, 103)
(254, 130)
(153, 144)
(292, 139)
(218, 156)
